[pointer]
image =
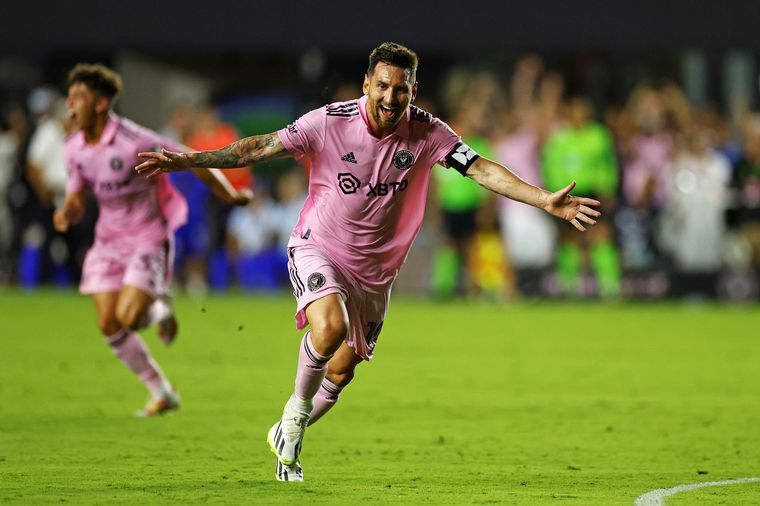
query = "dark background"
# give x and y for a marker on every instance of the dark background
(342, 26)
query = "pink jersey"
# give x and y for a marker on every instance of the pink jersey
(367, 195)
(131, 207)
(651, 157)
(519, 151)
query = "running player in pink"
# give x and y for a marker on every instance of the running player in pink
(128, 269)
(371, 161)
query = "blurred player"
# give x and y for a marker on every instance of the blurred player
(128, 269)
(583, 150)
(371, 161)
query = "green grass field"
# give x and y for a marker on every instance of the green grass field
(546, 403)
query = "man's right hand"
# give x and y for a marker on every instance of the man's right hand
(163, 162)
(70, 213)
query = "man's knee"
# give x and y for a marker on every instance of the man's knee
(328, 320)
(328, 333)
(332, 327)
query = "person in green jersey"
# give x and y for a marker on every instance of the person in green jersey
(459, 200)
(582, 150)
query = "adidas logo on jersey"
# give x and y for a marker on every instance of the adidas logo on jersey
(349, 157)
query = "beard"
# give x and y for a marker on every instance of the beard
(384, 121)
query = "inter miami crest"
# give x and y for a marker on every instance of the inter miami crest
(403, 159)
(116, 164)
(316, 281)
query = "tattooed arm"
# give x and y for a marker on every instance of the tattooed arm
(242, 153)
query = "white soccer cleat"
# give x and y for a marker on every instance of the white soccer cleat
(289, 473)
(285, 438)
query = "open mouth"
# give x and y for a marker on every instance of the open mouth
(386, 112)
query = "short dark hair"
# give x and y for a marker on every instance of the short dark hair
(98, 78)
(396, 55)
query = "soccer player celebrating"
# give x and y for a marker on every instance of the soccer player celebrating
(371, 161)
(128, 269)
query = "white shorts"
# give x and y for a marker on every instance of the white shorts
(313, 276)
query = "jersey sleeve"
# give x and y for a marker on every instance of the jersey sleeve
(448, 149)
(306, 135)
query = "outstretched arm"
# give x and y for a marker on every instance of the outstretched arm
(221, 187)
(248, 151)
(497, 178)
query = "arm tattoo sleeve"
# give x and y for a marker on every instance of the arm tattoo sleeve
(255, 149)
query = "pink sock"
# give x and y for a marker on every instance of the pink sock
(325, 399)
(131, 350)
(311, 369)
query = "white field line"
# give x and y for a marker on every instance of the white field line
(657, 497)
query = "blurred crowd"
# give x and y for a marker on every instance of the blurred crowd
(679, 186)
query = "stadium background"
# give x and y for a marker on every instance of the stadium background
(259, 67)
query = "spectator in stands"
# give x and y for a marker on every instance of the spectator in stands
(529, 237)
(290, 194)
(180, 122)
(61, 254)
(647, 158)
(201, 241)
(489, 268)
(252, 244)
(459, 198)
(12, 130)
(582, 150)
(746, 182)
(694, 227)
